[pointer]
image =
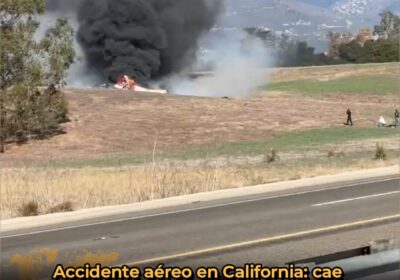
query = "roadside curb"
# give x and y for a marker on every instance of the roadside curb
(25, 223)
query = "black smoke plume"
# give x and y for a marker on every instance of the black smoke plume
(144, 39)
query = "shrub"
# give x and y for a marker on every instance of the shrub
(271, 157)
(28, 209)
(380, 153)
(62, 207)
(331, 154)
(30, 113)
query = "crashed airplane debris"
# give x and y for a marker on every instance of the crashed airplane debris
(127, 83)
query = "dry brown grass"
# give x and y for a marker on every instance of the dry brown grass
(106, 123)
(91, 187)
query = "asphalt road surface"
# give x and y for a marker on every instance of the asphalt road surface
(205, 230)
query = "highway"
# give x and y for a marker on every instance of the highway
(240, 228)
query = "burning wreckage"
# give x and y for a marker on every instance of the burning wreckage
(126, 83)
(136, 39)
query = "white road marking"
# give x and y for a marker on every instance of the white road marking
(191, 209)
(262, 241)
(355, 198)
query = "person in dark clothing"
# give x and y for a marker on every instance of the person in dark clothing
(397, 118)
(349, 118)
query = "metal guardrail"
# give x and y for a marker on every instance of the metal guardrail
(362, 266)
(336, 256)
(380, 257)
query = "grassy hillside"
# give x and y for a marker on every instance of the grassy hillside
(122, 147)
(372, 85)
(299, 141)
(288, 141)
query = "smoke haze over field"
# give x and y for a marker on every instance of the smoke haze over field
(238, 69)
(145, 39)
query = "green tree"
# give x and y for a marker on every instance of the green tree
(18, 50)
(288, 52)
(265, 35)
(389, 27)
(58, 44)
(382, 51)
(352, 52)
(335, 40)
(25, 111)
(305, 54)
(372, 52)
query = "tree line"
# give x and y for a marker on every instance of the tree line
(368, 46)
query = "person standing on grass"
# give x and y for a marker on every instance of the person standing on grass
(397, 118)
(349, 118)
